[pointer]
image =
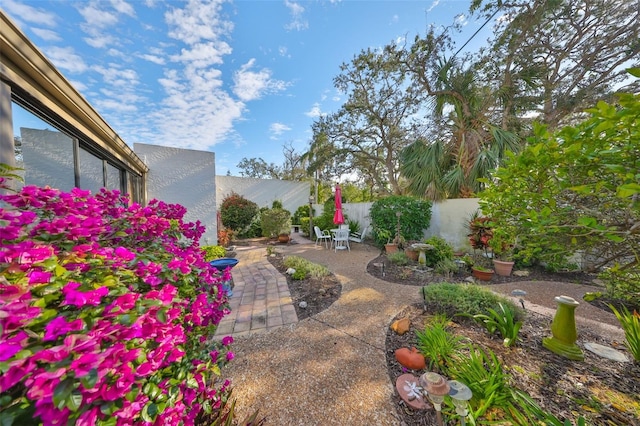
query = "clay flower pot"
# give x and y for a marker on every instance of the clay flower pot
(482, 275)
(410, 358)
(503, 267)
(283, 238)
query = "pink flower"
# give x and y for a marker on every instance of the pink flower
(230, 356)
(82, 298)
(59, 327)
(227, 340)
(12, 346)
(39, 277)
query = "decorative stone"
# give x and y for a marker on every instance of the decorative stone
(291, 271)
(302, 304)
(401, 326)
(410, 358)
(563, 328)
(606, 352)
(521, 273)
(411, 392)
(470, 279)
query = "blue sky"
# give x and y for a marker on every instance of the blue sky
(238, 78)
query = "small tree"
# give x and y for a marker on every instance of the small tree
(578, 190)
(237, 212)
(275, 221)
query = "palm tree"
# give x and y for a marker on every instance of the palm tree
(466, 145)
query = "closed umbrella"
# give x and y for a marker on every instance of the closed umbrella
(338, 218)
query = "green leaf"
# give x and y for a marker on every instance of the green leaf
(628, 190)
(149, 412)
(587, 221)
(74, 401)
(162, 315)
(634, 71)
(90, 379)
(62, 392)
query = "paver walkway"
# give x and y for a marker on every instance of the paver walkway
(329, 369)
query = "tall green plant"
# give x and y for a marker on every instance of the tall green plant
(415, 216)
(503, 321)
(438, 345)
(630, 323)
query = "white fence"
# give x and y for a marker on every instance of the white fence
(449, 219)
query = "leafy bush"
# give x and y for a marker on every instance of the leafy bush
(453, 299)
(299, 274)
(237, 212)
(104, 308)
(213, 252)
(398, 258)
(301, 212)
(441, 251)
(415, 218)
(583, 182)
(438, 345)
(275, 222)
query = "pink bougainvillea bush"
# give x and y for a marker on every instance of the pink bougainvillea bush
(106, 312)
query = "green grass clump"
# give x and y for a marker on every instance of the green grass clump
(438, 345)
(301, 264)
(398, 258)
(469, 299)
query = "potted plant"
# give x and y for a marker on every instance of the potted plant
(482, 273)
(391, 246)
(502, 244)
(410, 251)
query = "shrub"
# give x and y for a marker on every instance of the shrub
(398, 258)
(237, 212)
(415, 218)
(301, 212)
(213, 252)
(107, 304)
(275, 222)
(441, 251)
(453, 299)
(299, 263)
(630, 323)
(299, 274)
(503, 321)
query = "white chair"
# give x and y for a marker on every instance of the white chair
(359, 237)
(322, 236)
(340, 240)
(344, 226)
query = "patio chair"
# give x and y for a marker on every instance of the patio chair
(322, 236)
(359, 237)
(340, 240)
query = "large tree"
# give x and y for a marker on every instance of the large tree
(571, 53)
(375, 122)
(294, 166)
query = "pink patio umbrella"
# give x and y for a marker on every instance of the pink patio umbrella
(338, 219)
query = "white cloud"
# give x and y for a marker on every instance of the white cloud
(203, 54)
(47, 35)
(29, 13)
(283, 51)
(278, 129)
(198, 21)
(115, 105)
(123, 7)
(461, 19)
(65, 58)
(395, 19)
(433, 5)
(298, 22)
(118, 77)
(314, 111)
(96, 18)
(250, 85)
(153, 58)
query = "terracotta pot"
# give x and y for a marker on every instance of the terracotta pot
(412, 254)
(482, 275)
(390, 248)
(503, 267)
(283, 238)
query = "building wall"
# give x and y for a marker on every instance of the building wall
(264, 192)
(185, 177)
